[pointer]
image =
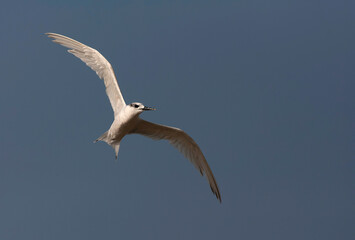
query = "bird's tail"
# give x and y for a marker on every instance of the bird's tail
(103, 137)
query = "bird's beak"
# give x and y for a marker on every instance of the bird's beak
(148, 108)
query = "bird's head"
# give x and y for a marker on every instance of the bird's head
(138, 108)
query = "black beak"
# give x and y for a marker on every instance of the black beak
(148, 108)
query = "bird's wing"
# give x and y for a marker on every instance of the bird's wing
(96, 62)
(184, 143)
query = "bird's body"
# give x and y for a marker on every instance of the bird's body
(122, 126)
(126, 123)
(127, 119)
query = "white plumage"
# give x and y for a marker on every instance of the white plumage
(127, 120)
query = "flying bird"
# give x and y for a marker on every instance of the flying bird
(127, 117)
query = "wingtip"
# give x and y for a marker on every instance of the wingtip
(219, 198)
(50, 35)
(217, 194)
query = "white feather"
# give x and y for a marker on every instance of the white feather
(96, 62)
(184, 143)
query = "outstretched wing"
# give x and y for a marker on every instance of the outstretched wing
(96, 62)
(184, 143)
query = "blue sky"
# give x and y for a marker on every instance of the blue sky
(264, 87)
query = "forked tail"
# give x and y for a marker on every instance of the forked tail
(104, 138)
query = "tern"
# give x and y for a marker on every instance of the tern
(127, 117)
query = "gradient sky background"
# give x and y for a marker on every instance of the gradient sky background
(266, 88)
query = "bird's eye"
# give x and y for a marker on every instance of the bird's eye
(136, 106)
